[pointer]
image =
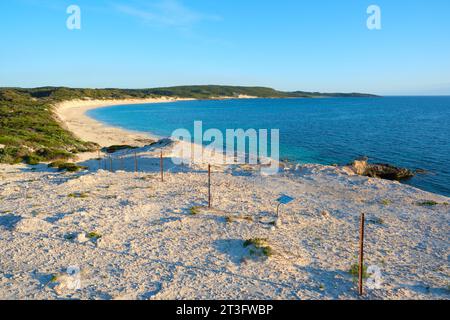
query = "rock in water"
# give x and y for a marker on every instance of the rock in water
(386, 171)
(380, 170)
(360, 165)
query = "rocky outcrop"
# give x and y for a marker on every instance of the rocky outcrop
(362, 167)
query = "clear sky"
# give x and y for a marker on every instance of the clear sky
(313, 45)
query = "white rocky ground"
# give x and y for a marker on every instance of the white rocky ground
(152, 247)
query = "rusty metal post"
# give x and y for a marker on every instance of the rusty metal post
(361, 254)
(161, 166)
(209, 186)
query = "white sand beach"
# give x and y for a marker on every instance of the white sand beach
(129, 235)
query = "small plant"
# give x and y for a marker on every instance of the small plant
(354, 271)
(428, 203)
(32, 159)
(386, 202)
(116, 148)
(54, 278)
(81, 195)
(229, 219)
(194, 210)
(258, 246)
(267, 251)
(93, 235)
(66, 166)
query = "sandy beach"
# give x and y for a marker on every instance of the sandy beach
(73, 116)
(128, 235)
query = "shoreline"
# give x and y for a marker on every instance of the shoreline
(72, 115)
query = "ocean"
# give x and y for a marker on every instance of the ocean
(411, 132)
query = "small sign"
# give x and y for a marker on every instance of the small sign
(284, 199)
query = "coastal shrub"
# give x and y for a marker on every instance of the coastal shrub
(81, 195)
(93, 235)
(116, 148)
(32, 159)
(30, 131)
(194, 210)
(386, 202)
(54, 154)
(428, 203)
(66, 166)
(354, 271)
(258, 247)
(71, 167)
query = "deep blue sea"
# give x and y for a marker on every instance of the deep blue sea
(412, 132)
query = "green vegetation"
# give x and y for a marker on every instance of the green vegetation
(93, 235)
(195, 210)
(354, 271)
(30, 132)
(81, 195)
(386, 202)
(116, 148)
(54, 278)
(428, 203)
(211, 91)
(259, 247)
(67, 166)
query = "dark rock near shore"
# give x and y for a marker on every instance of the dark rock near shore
(380, 170)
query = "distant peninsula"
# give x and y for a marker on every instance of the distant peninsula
(195, 92)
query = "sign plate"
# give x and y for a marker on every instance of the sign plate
(284, 199)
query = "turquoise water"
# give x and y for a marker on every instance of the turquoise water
(412, 132)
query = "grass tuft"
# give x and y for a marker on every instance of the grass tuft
(428, 203)
(66, 166)
(116, 148)
(354, 271)
(93, 235)
(81, 195)
(195, 210)
(258, 246)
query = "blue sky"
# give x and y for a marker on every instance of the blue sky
(320, 45)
